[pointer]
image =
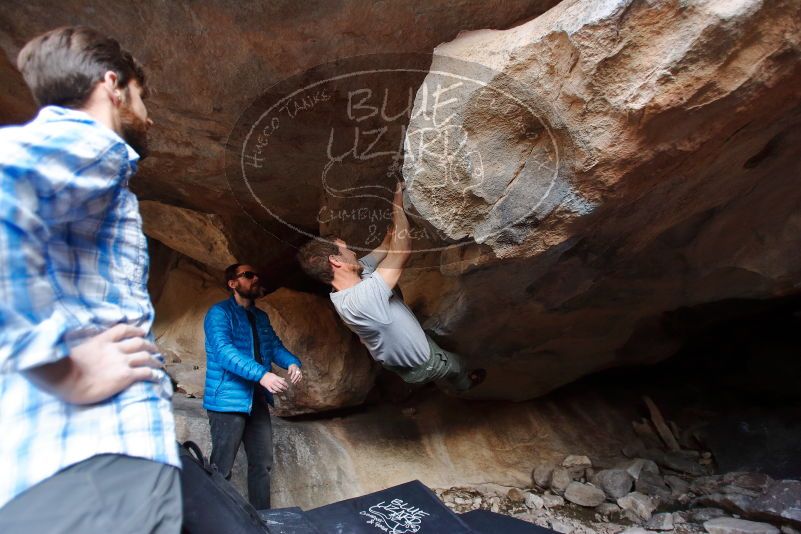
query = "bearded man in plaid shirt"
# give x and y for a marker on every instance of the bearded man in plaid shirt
(88, 439)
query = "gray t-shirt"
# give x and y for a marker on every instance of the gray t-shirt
(381, 319)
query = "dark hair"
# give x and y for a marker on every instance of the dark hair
(313, 259)
(230, 273)
(62, 66)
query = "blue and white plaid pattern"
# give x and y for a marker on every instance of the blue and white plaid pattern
(73, 262)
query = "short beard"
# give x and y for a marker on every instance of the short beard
(134, 131)
(250, 295)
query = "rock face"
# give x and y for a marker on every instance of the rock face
(337, 369)
(322, 460)
(616, 483)
(754, 496)
(729, 525)
(597, 168)
(584, 494)
(196, 235)
(618, 162)
(641, 506)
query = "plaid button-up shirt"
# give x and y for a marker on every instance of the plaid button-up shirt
(73, 262)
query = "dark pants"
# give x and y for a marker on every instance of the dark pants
(443, 367)
(106, 493)
(228, 430)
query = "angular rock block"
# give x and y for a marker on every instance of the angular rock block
(584, 154)
(730, 525)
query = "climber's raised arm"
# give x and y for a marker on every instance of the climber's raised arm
(400, 245)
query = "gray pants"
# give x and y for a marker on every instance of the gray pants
(106, 493)
(443, 367)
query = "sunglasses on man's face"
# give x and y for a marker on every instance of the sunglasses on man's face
(250, 275)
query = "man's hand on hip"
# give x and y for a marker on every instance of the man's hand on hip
(100, 367)
(295, 376)
(273, 383)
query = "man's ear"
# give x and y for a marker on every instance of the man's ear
(231, 284)
(111, 84)
(335, 261)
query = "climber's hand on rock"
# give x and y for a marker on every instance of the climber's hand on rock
(295, 376)
(273, 383)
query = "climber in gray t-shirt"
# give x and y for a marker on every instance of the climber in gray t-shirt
(364, 296)
(381, 319)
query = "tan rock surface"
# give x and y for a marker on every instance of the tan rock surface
(208, 61)
(446, 442)
(187, 295)
(200, 236)
(648, 167)
(618, 161)
(338, 371)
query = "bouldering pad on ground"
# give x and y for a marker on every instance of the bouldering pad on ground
(409, 508)
(486, 522)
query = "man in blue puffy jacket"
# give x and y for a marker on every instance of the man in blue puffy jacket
(241, 346)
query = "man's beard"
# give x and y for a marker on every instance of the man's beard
(134, 131)
(253, 294)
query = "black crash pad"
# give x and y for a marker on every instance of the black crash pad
(409, 508)
(287, 521)
(486, 522)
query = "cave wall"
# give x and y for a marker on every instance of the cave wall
(621, 160)
(442, 442)
(338, 371)
(643, 158)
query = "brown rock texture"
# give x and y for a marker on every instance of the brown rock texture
(200, 236)
(617, 161)
(208, 61)
(442, 442)
(608, 164)
(338, 371)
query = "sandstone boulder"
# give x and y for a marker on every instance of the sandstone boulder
(338, 371)
(600, 166)
(653, 485)
(560, 479)
(200, 236)
(780, 502)
(552, 501)
(677, 484)
(584, 494)
(640, 150)
(636, 466)
(730, 525)
(541, 476)
(663, 521)
(639, 505)
(577, 465)
(616, 483)
(534, 501)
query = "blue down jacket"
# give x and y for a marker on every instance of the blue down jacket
(231, 370)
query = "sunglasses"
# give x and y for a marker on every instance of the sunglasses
(250, 275)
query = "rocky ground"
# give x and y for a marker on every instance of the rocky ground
(653, 491)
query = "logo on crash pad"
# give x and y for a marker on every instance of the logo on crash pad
(395, 517)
